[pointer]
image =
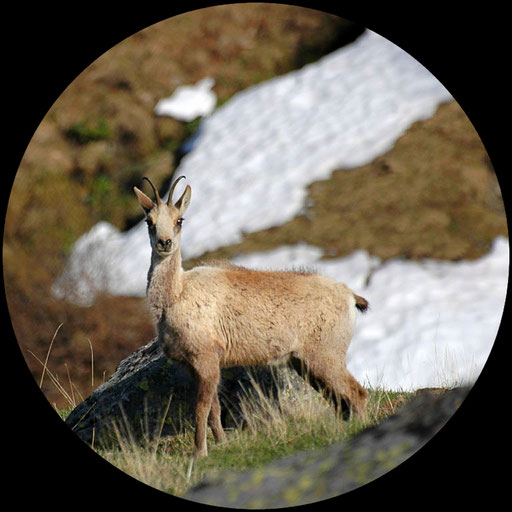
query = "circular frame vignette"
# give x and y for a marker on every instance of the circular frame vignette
(50, 439)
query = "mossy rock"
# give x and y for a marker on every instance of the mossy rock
(318, 475)
(149, 395)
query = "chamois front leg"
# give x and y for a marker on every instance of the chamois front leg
(206, 370)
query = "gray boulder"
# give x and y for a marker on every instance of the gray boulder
(322, 474)
(149, 395)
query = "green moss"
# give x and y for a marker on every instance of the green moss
(257, 503)
(83, 133)
(392, 457)
(292, 496)
(64, 413)
(258, 476)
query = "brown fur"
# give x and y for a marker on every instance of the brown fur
(220, 315)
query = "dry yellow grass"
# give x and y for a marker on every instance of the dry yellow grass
(274, 428)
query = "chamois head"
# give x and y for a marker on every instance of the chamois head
(164, 219)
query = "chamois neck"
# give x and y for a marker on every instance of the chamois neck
(166, 275)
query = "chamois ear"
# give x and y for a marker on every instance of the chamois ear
(146, 203)
(182, 203)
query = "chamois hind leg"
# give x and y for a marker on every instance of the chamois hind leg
(330, 376)
(206, 370)
(214, 419)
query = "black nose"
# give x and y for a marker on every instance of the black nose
(165, 244)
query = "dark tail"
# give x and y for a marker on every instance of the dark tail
(361, 304)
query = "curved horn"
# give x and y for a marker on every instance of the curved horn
(155, 191)
(169, 200)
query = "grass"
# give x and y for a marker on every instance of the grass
(274, 429)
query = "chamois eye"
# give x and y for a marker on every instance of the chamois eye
(149, 222)
(179, 222)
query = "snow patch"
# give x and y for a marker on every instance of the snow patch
(189, 102)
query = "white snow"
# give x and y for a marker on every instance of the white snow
(189, 101)
(260, 150)
(430, 323)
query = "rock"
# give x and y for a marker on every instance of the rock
(149, 395)
(322, 474)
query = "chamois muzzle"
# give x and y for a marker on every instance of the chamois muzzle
(164, 245)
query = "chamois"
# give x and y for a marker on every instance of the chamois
(225, 315)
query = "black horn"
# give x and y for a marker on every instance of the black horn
(169, 200)
(155, 191)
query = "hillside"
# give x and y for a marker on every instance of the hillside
(101, 137)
